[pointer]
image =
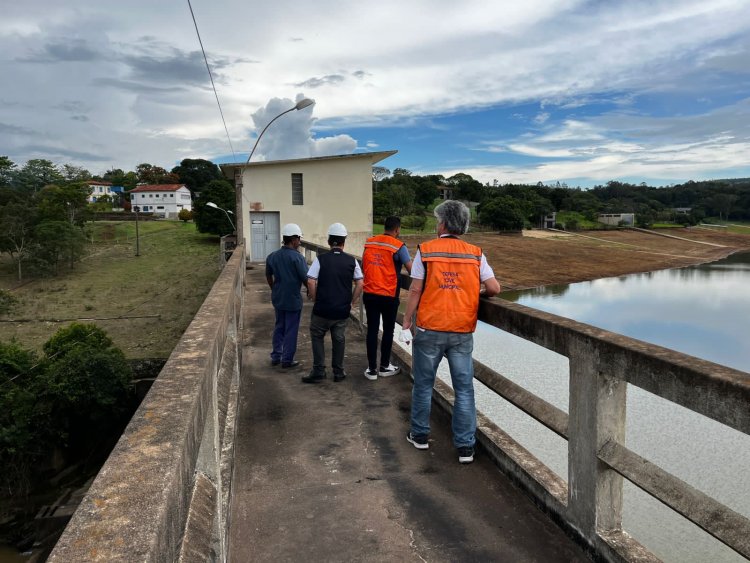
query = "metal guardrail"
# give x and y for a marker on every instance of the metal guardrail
(602, 363)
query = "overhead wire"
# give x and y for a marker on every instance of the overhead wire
(244, 195)
(211, 77)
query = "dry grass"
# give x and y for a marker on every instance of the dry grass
(144, 302)
(522, 261)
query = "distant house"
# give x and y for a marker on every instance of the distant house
(163, 200)
(682, 210)
(627, 219)
(549, 220)
(100, 188)
(312, 192)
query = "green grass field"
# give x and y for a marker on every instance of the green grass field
(144, 302)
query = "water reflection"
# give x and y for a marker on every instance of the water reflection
(701, 310)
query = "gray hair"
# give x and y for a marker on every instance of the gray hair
(454, 215)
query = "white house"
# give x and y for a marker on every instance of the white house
(312, 192)
(100, 188)
(165, 200)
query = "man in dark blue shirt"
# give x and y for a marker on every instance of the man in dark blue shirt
(286, 272)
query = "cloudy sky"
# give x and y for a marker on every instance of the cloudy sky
(574, 91)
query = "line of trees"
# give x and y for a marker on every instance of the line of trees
(515, 206)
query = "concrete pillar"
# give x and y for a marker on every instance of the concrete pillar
(597, 415)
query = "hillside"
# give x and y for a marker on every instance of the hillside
(546, 257)
(144, 302)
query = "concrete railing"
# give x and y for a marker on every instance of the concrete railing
(602, 363)
(163, 493)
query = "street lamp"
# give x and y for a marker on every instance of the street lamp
(302, 104)
(212, 204)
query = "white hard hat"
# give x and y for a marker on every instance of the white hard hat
(291, 230)
(337, 230)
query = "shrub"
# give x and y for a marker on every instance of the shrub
(185, 215)
(69, 399)
(7, 302)
(414, 221)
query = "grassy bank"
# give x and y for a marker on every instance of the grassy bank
(144, 302)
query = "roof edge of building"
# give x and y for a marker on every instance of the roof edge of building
(373, 156)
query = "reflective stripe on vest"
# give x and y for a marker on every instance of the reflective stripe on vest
(450, 294)
(378, 268)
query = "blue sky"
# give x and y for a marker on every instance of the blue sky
(575, 91)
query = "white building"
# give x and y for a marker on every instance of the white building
(312, 192)
(163, 200)
(624, 219)
(100, 188)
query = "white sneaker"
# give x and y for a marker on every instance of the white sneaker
(390, 370)
(372, 375)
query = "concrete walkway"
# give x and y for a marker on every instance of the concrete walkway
(323, 472)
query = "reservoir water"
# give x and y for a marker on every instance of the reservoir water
(703, 311)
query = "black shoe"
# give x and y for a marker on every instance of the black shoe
(419, 442)
(465, 454)
(287, 365)
(275, 362)
(339, 377)
(313, 378)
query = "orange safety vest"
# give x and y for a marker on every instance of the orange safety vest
(378, 268)
(450, 295)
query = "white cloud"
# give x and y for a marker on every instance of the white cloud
(124, 82)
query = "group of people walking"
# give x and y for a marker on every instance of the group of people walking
(441, 310)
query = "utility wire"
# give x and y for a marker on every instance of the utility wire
(208, 68)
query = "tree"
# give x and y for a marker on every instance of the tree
(150, 174)
(75, 173)
(208, 219)
(117, 177)
(378, 173)
(70, 397)
(17, 222)
(55, 242)
(502, 213)
(86, 377)
(196, 173)
(465, 187)
(36, 174)
(65, 203)
(7, 171)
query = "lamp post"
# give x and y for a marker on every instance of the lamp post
(302, 104)
(212, 204)
(137, 238)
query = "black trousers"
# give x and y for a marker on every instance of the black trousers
(377, 306)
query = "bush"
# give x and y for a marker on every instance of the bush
(7, 302)
(414, 222)
(68, 400)
(185, 215)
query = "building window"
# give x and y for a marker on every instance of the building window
(297, 198)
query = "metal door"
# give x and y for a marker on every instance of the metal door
(265, 235)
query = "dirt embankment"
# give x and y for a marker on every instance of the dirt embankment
(544, 257)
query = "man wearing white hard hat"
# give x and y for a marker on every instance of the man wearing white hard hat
(286, 273)
(329, 284)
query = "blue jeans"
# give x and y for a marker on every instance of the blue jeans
(429, 348)
(319, 326)
(285, 335)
